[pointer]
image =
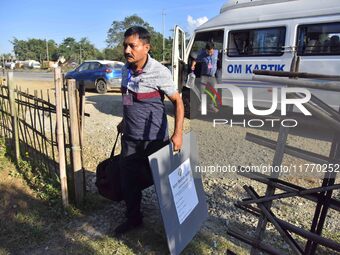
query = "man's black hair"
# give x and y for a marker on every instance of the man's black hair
(209, 46)
(143, 34)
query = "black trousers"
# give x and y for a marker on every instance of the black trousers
(136, 173)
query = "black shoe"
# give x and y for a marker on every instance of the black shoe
(127, 226)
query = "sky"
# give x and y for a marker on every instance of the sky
(41, 19)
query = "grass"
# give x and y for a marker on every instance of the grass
(32, 221)
(31, 224)
(3, 152)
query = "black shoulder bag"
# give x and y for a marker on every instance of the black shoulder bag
(108, 177)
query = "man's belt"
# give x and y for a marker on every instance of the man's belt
(145, 95)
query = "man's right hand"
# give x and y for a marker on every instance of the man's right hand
(120, 127)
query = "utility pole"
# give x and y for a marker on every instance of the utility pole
(3, 65)
(163, 23)
(47, 56)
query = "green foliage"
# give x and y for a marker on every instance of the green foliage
(2, 153)
(78, 51)
(34, 49)
(2, 148)
(40, 180)
(115, 38)
(109, 54)
(115, 35)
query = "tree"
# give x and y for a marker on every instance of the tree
(114, 54)
(68, 49)
(33, 49)
(52, 50)
(99, 55)
(20, 48)
(6, 57)
(115, 37)
(86, 49)
(78, 51)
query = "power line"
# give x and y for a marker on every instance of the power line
(163, 22)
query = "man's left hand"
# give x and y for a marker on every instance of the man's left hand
(176, 139)
(179, 118)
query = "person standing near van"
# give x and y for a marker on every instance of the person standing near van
(145, 81)
(208, 59)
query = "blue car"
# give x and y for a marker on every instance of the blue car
(100, 75)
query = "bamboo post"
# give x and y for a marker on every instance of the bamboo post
(36, 129)
(82, 119)
(43, 129)
(60, 136)
(2, 114)
(15, 133)
(79, 181)
(20, 122)
(33, 144)
(29, 127)
(82, 111)
(66, 124)
(8, 114)
(51, 126)
(23, 123)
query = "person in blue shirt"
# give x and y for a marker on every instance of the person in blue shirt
(208, 59)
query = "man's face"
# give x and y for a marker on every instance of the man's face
(135, 50)
(210, 52)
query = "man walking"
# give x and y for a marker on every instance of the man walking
(144, 126)
(208, 59)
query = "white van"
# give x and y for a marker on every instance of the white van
(264, 35)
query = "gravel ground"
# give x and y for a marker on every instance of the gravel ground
(217, 146)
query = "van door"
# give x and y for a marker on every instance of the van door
(179, 58)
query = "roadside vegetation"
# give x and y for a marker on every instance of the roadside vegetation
(76, 51)
(32, 220)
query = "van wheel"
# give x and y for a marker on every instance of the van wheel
(101, 87)
(191, 104)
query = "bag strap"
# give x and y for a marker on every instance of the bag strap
(114, 146)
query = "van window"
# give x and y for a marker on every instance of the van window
(319, 39)
(256, 42)
(202, 38)
(181, 47)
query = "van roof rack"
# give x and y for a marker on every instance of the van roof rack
(234, 4)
